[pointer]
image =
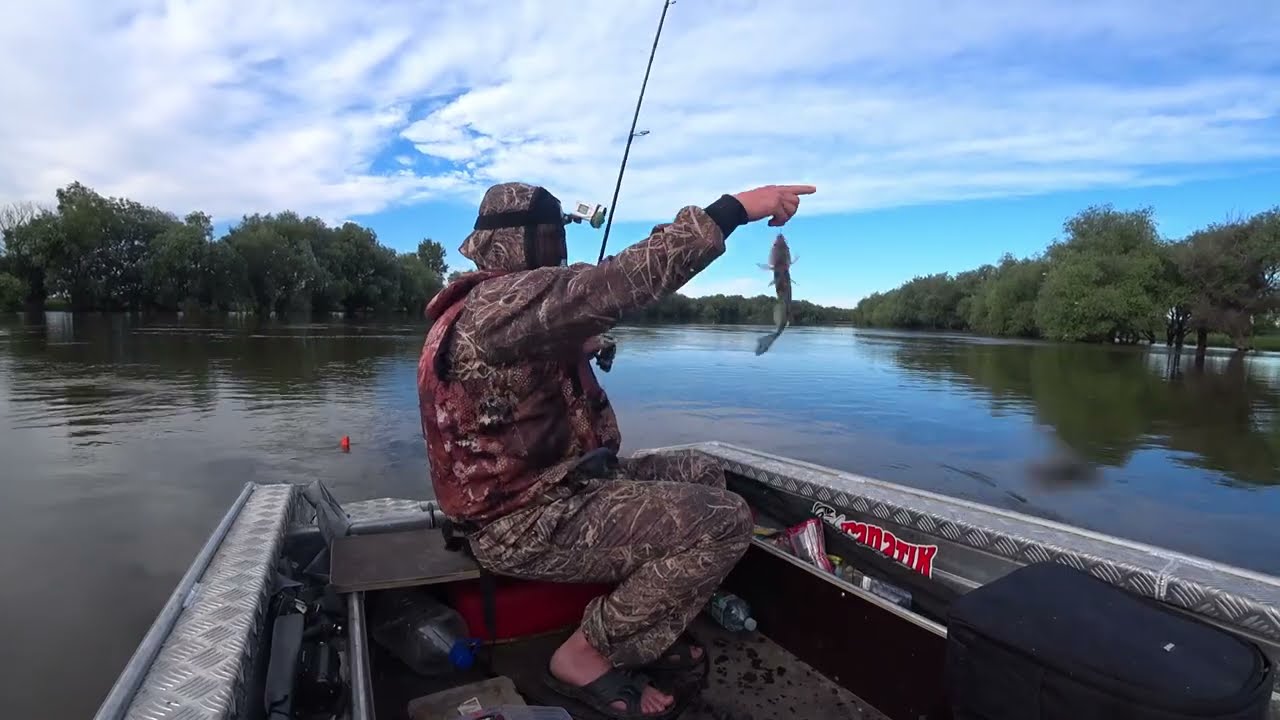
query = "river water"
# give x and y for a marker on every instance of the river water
(122, 442)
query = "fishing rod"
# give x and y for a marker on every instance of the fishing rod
(613, 204)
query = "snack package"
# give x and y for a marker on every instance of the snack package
(807, 543)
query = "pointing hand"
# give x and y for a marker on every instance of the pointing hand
(776, 202)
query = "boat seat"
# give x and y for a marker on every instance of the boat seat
(383, 553)
(388, 560)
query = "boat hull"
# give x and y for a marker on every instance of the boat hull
(959, 545)
(201, 657)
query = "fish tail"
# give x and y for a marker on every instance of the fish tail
(765, 342)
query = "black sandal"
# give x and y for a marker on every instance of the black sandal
(615, 685)
(682, 650)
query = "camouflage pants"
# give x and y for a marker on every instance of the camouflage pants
(665, 529)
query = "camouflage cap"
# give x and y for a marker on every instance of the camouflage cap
(506, 248)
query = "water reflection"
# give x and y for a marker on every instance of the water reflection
(92, 376)
(123, 440)
(92, 373)
(1106, 403)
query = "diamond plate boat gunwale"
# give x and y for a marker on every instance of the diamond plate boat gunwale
(994, 541)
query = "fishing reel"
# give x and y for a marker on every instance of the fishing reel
(592, 213)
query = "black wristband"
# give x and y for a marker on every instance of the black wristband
(728, 214)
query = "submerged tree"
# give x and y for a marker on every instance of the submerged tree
(100, 253)
(1103, 282)
(1111, 279)
(1005, 303)
(1230, 271)
(431, 253)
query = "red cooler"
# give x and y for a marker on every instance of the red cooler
(523, 607)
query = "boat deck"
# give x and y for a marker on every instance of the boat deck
(749, 677)
(206, 652)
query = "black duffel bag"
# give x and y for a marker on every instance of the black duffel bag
(1052, 643)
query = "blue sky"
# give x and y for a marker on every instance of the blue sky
(844, 257)
(940, 133)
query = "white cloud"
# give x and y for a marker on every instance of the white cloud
(235, 106)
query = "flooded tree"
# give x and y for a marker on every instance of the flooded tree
(1004, 303)
(92, 252)
(1230, 273)
(1111, 279)
(1102, 283)
(431, 253)
(732, 310)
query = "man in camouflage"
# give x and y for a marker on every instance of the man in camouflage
(522, 440)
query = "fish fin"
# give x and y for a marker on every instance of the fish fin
(763, 344)
(765, 267)
(795, 260)
(771, 282)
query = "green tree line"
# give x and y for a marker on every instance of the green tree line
(91, 252)
(95, 253)
(727, 310)
(734, 310)
(1112, 278)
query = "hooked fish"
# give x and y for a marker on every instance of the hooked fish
(780, 262)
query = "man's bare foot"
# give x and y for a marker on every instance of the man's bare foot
(577, 663)
(695, 653)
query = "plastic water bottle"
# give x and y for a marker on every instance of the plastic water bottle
(731, 612)
(429, 637)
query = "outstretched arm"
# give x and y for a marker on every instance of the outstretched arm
(552, 311)
(549, 310)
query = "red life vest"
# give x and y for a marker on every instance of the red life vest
(499, 436)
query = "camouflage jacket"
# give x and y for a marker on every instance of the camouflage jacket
(508, 400)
